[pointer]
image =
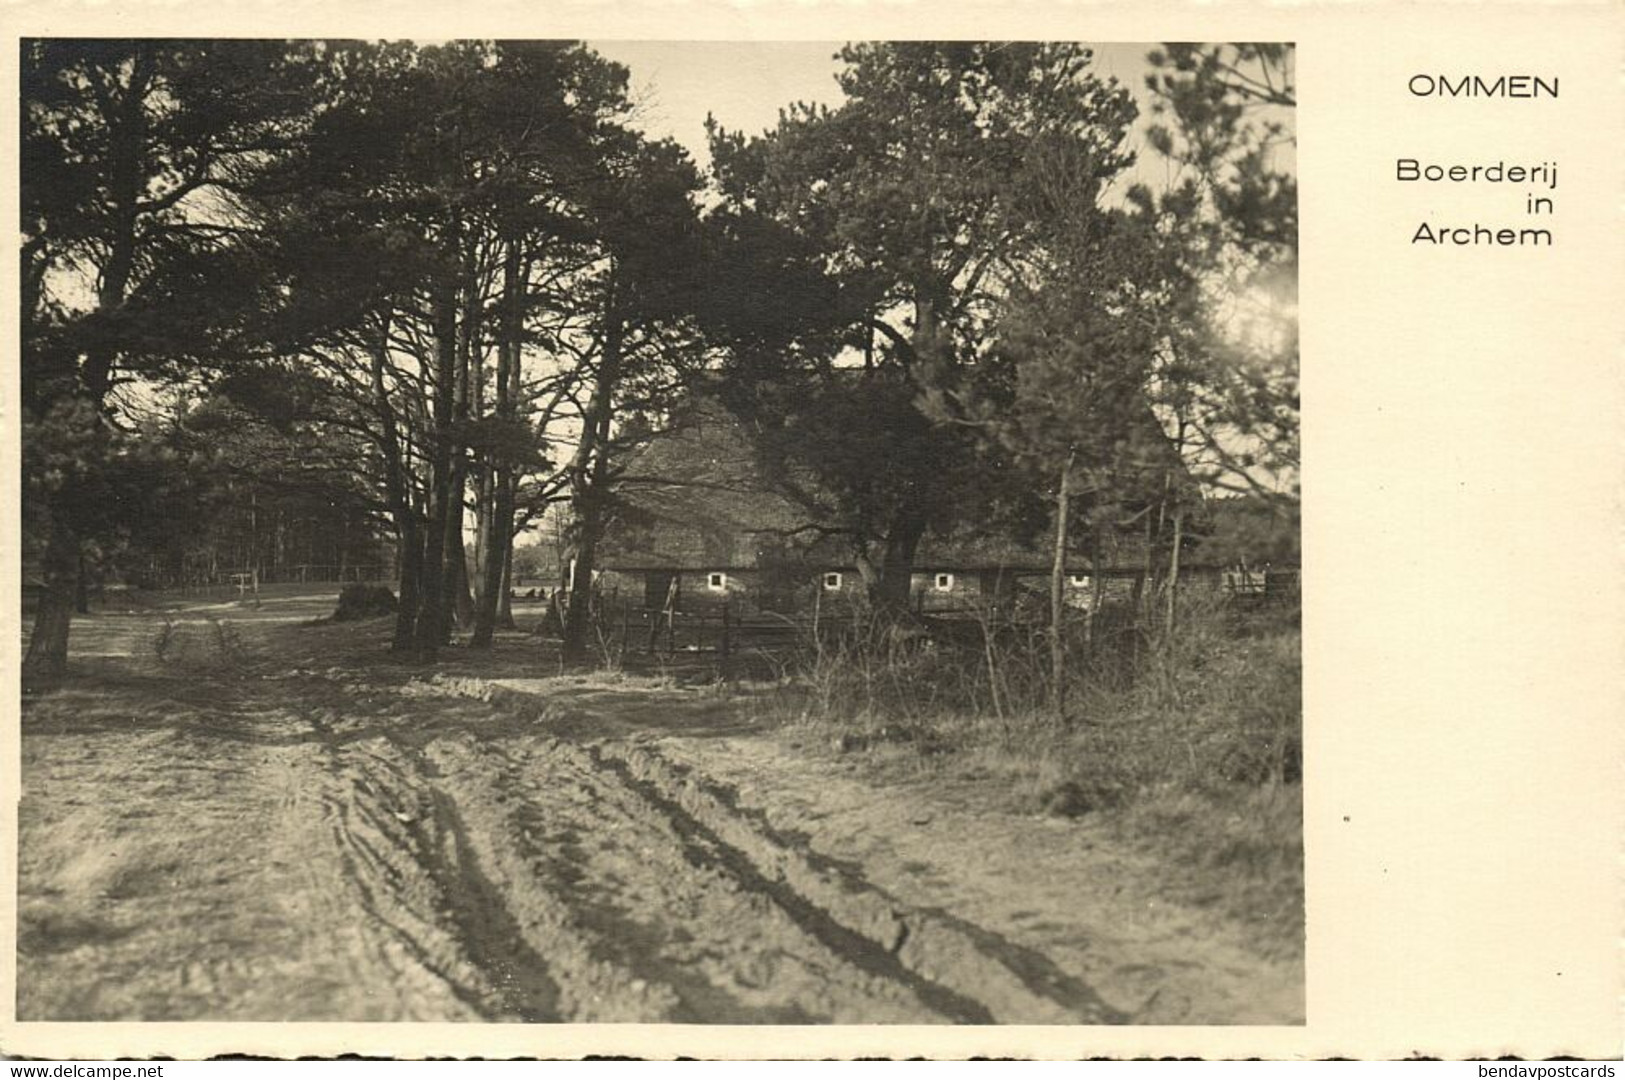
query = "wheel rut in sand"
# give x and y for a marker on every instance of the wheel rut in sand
(704, 848)
(1003, 981)
(640, 917)
(510, 867)
(956, 970)
(494, 939)
(446, 848)
(407, 854)
(543, 880)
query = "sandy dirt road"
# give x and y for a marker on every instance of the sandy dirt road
(230, 816)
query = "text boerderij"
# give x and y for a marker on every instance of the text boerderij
(1541, 174)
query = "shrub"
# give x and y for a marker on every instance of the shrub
(1188, 741)
(1213, 703)
(364, 602)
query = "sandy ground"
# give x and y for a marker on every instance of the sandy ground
(232, 815)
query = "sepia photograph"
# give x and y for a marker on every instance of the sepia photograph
(659, 532)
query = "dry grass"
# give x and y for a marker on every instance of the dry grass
(1188, 744)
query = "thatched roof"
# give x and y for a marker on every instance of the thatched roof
(695, 498)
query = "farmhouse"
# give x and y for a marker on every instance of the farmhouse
(697, 525)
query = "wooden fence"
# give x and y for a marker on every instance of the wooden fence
(732, 629)
(227, 580)
(721, 632)
(1271, 587)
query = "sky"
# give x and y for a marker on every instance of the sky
(745, 83)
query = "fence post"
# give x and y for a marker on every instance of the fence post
(727, 625)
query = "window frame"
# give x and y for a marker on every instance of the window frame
(942, 581)
(716, 580)
(833, 580)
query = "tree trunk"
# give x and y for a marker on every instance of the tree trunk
(1143, 586)
(1173, 567)
(505, 595)
(482, 468)
(498, 546)
(1057, 594)
(462, 599)
(590, 471)
(47, 659)
(496, 535)
(1097, 587)
(1179, 536)
(484, 508)
(81, 588)
(511, 476)
(430, 630)
(578, 614)
(459, 605)
(890, 583)
(924, 337)
(408, 537)
(889, 591)
(515, 397)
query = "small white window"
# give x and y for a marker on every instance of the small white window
(832, 580)
(944, 582)
(717, 582)
(1079, 581)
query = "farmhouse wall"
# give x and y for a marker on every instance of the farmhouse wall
(964, 590)
(749, 590)
(744, 589)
